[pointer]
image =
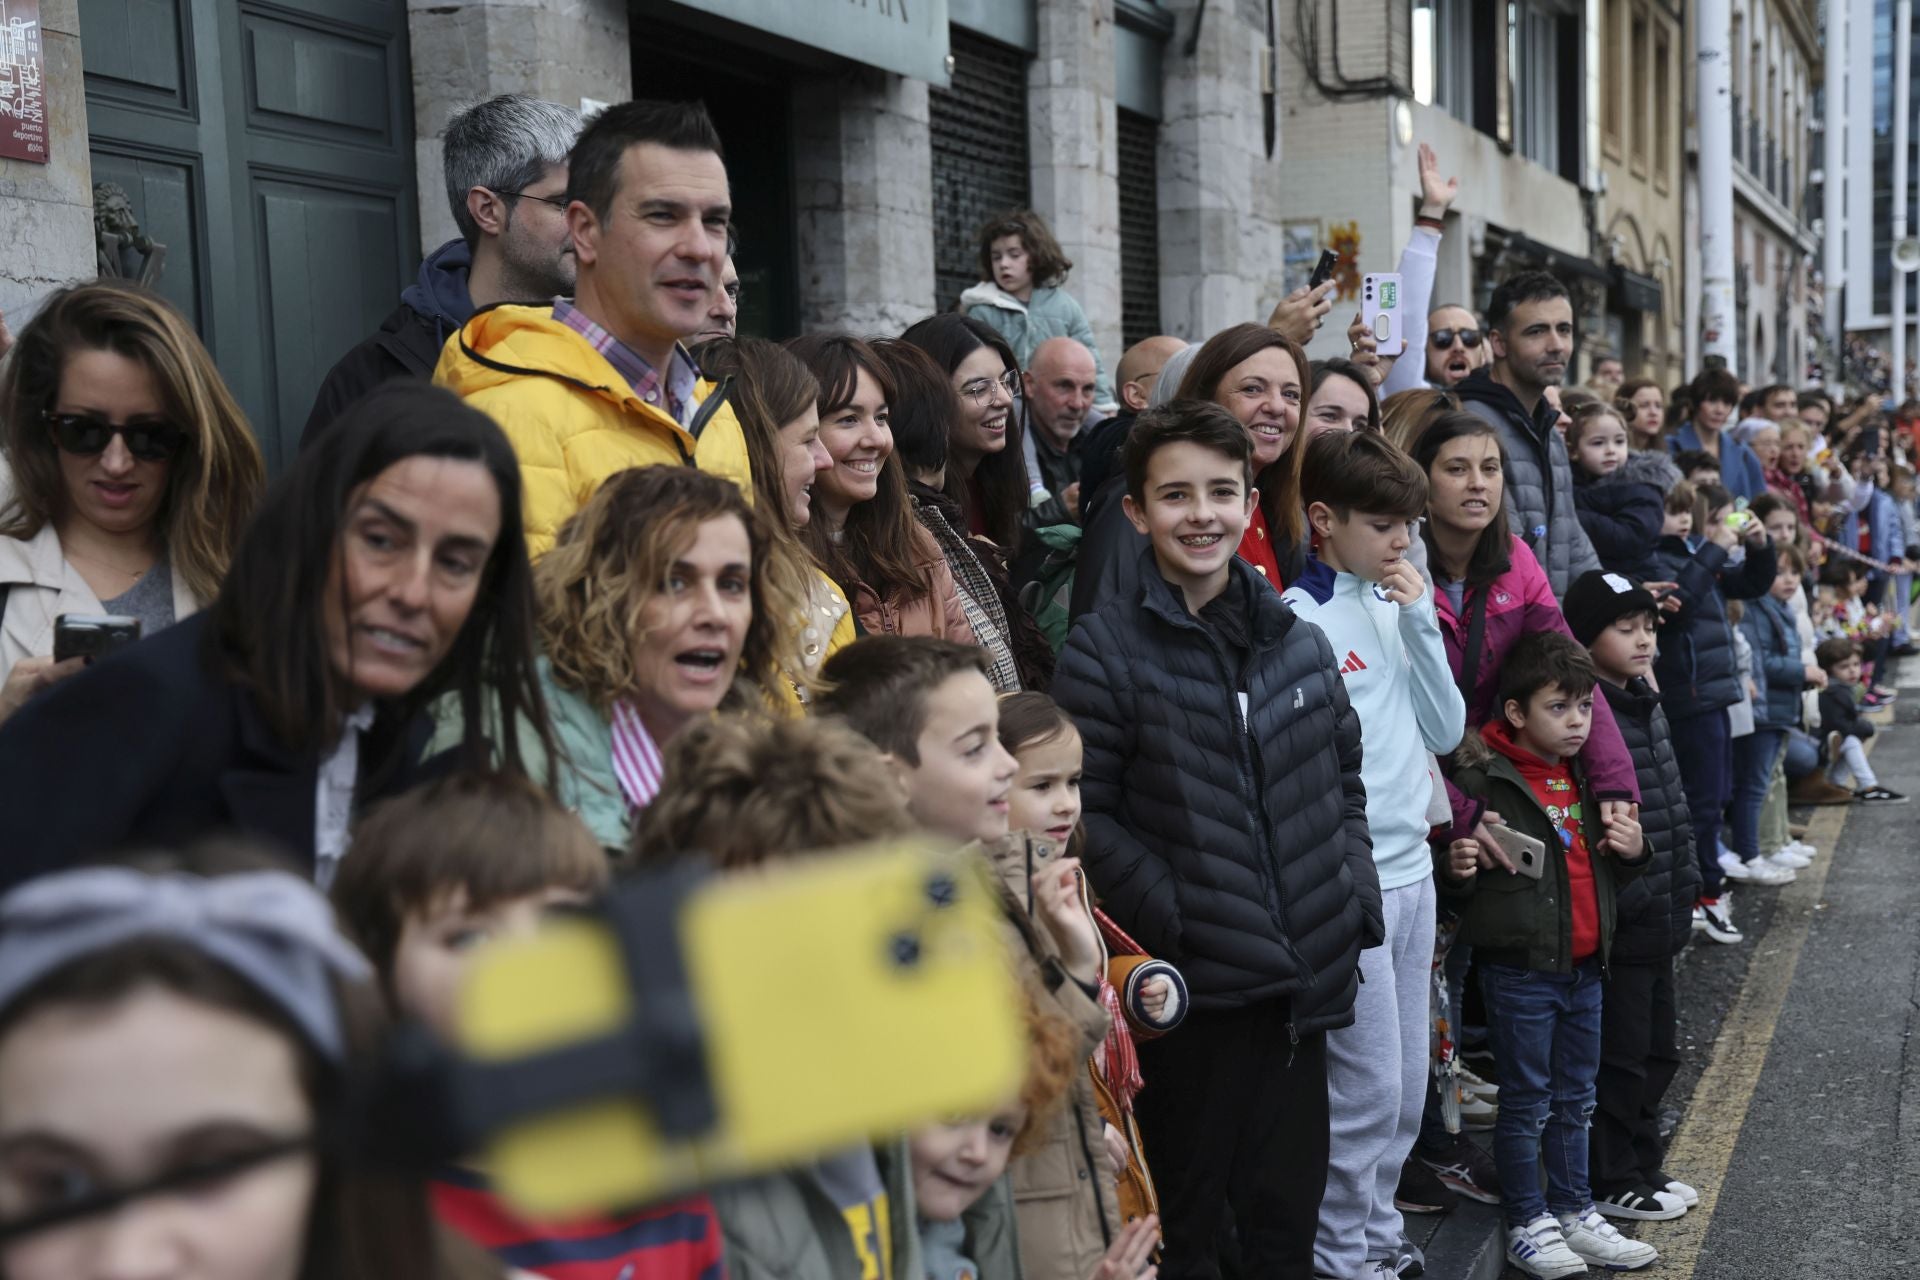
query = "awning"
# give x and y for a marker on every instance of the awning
(1635, 292)
(1558, 261)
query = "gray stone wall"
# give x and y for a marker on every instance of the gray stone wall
(863, 168)
(1221, 259)
(46, 210)
(469, 50)
(1073, 135)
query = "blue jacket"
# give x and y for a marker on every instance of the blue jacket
(1695, 666)
(1740, 469)
(1393, 662)
(1777, 668)
(1226, 820)
(1882, 516)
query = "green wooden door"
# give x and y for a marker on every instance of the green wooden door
(269, 146)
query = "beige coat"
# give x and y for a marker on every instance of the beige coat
(41, 586)
(1065, 1195)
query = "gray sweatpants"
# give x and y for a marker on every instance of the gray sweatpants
(1376, 1084)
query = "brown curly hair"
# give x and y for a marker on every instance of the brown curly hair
(747, 790)
(613, 555)
(1046, 262)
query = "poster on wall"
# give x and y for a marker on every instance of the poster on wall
(23, 89)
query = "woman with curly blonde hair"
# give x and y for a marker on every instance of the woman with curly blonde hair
(133, 474)
(664, 598)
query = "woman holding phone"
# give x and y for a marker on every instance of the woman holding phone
(133, 473)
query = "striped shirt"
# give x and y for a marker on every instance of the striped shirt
(679, 1240)
(631, 365)
(636, 760)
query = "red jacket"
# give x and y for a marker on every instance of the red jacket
(1520, 602)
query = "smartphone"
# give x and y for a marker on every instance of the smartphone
(1323, 268)
(1529, 856)
(92, 635)
(1380, 304)
(834, 997)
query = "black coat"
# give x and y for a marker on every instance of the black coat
(1622, 514)
(157, 746)
(1840, 714)
(1695, 667)
(1654, 912)
(1238, 852)
(408, 342)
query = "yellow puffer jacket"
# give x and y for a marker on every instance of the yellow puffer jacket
(572, 418)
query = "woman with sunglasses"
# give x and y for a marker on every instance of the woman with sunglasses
(133, 475)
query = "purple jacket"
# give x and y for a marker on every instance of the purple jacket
(1520, 603)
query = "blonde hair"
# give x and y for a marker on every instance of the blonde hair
(744, 791)
(212, 485)
(612, 558)
(1405, 414)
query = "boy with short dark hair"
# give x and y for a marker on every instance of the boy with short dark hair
(1542, 944)
(1226, 829)
(1361, 591)
(1842, 725)
(437, 870)
(1639, 1048)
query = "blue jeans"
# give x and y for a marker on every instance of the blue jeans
(1704, 753)
(1545, 1029)
(1753, 759)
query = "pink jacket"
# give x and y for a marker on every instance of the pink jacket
(1520, 602)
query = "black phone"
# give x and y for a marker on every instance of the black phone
(92, 635)
(1323, 268)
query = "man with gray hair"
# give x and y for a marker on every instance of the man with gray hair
(506, 175)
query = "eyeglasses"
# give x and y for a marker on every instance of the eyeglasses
(87, 434)
(558, 202)
(981, 389)
(1443, 338)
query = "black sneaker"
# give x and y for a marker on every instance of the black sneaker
(1640, 1204)
(1463, 1169)
(1879, 795)
(1421, 1190)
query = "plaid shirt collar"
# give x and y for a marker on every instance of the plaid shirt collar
(641, 376)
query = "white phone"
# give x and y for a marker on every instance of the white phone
(1380, 305)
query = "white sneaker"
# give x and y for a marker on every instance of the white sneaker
(1477, 1114)
(1540, 1250)
(1732, 867)
(1804, 849)
(1599, 1243)
(1790, 858)
(1688, 1196)
(1474, 1084)
(1763, 871)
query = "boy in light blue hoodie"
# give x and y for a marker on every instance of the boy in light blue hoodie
(1377, 612)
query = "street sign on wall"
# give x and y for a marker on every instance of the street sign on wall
(23, 89)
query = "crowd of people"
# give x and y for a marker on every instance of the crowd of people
(1324, 725)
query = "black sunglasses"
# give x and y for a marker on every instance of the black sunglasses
(87, 434)
(1443, 338)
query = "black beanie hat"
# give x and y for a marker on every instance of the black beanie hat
(1596, 599)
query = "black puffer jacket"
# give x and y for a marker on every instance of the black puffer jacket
(1654, 912)
(1622, 512)
(1239, 853)
(1696, 668)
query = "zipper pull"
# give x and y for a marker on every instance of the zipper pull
(1293, 1042)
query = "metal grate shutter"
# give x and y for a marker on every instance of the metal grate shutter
(980, 160)
(1139, 228)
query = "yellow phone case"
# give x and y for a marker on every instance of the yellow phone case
(818, 1034)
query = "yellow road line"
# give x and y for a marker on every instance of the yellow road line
(1703, 1147)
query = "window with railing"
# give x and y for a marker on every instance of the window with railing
(1637, 87)
(1663, 108)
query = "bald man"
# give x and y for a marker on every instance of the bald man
(1058, 389)
(1135, 379)
(1140, 368)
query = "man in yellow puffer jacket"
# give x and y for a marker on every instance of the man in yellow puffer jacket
(592, 386)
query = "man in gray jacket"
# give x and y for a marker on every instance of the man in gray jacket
(1530, 326)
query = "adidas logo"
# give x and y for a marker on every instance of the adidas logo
(1352, 664)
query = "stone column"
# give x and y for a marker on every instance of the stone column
(863, 168)
(1073, 136)
(46, 210)
(1221, 258)
(469, 50)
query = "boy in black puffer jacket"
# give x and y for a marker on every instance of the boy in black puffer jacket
(1639, 1048)
(1226, 829)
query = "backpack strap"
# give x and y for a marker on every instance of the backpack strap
(1476, 637)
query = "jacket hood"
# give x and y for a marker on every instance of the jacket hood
(1497, 737)
(505, 342)
(440, 290)
(1635, 698)
(1644, 467)
(1480, 387)
(989, 294)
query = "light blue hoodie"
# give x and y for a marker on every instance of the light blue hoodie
(1394, 664)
